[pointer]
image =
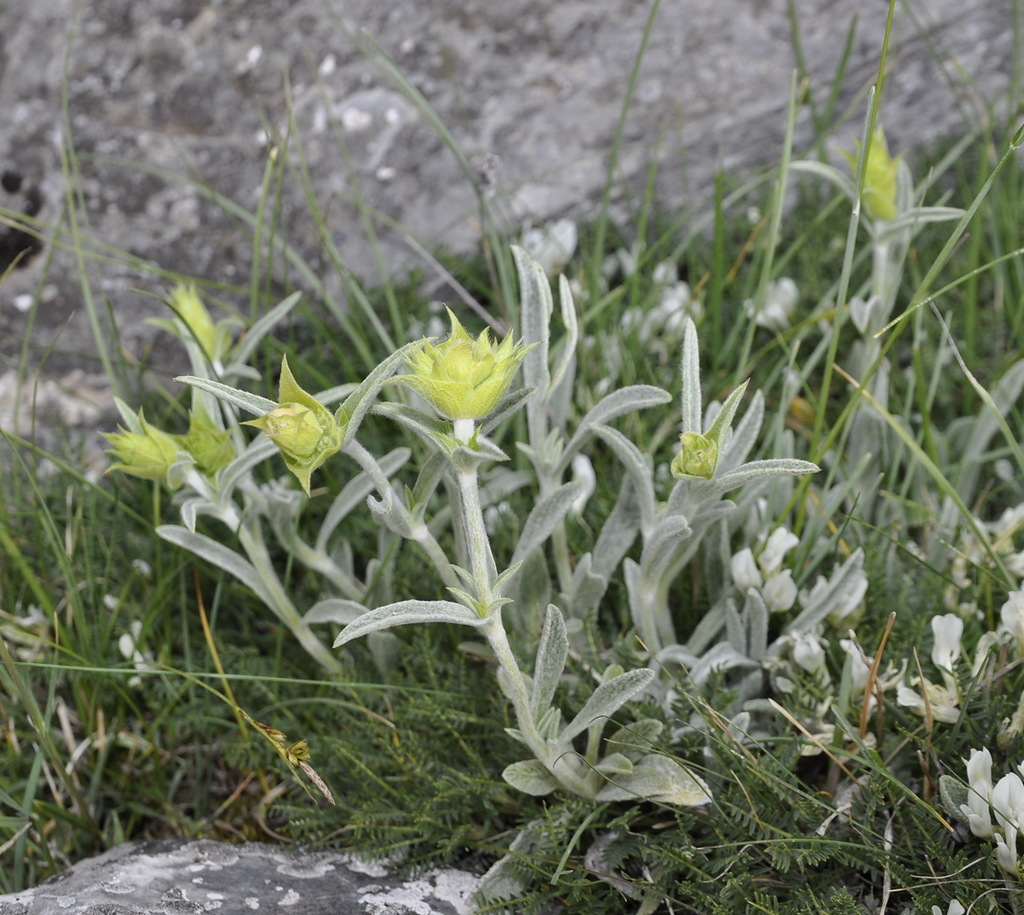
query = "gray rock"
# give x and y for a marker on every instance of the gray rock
(177, 876)
(171, 102)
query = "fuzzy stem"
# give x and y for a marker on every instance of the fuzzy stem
(560, 761)
(250, 536)
(481, 561)
(251, 540)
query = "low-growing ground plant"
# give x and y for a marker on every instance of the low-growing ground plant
(699, 587)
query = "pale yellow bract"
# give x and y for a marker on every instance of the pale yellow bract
(464, 377)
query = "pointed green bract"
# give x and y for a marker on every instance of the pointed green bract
(208, 443)
(303, 428)
(880, 177)
(148, 454)
(213, 338)
(697, 457)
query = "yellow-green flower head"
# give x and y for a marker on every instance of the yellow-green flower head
(880, 177)
(215, 339)
(463, 377)
(209, 445)
(148, 454)
(697, 457)
(294, 429)
(303, 428)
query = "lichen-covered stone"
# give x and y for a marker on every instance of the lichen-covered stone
(177, 876)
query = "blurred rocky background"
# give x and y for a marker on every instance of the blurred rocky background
(135, 135)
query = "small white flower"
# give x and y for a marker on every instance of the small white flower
(849, 601)
(979, 772)
(632, 319)
(744, 570)
(779, 592)
(818, 737)
(947, 631)
(1011, 615)
(142, 568)
(986, 643)
(664, 273)
(1014, 563)
(1006, 850)
(675, 300)
(780, 299)
(1008, 802)
(977, 810)
(955, 908)
(779, 543)
(130, 647)
(809, 653)
(942, 702)
(551, 246)
(622, 261)
(1008, 523)
(860, 667)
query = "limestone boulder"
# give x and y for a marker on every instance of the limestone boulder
(178, 876)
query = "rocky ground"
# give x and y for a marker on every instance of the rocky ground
(136, 136)
(173, 876)
(135, 127)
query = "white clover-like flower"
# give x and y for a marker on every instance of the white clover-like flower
(809, 653)
(955, 908)
(987, 642)
(977, 811)
(860, 667)
(1006, 850)
(780, 299)
(675, 300)
(779, 592)
(622, 261)
(1011, 617)
(1008, 523)
(1002, 802)
(130, 646)
(860, 672)
(551, 246)
(662, 324)
(1008, 801)
(936, 699)
(142, 568)
(849, 602)
(846, 604)
(947, 631)
(745, 574)
(817, 738)
(779, 543)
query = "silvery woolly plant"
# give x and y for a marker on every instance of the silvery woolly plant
(464, 388)
(892, 213)
(465, 381)
(210, 468)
